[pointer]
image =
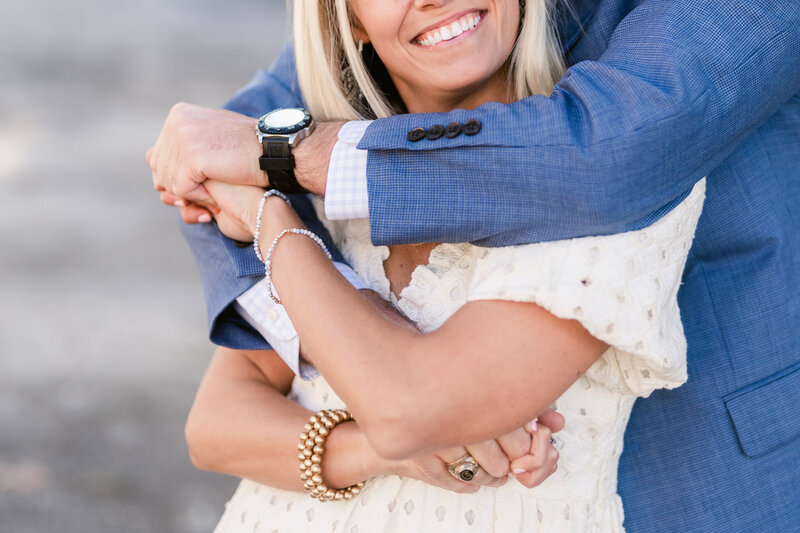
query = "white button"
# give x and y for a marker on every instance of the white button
(272, 315)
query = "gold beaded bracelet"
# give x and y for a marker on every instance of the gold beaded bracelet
(312, 446)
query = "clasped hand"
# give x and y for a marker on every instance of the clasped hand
(526, 453)
(197, 144)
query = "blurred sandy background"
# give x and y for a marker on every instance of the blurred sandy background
(102, 324)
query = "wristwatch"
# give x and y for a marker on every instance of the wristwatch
(278, 132)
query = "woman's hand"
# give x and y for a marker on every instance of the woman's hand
(235, 207)
(432, 469)
(231, 220)
(527, 453)
(532, 468)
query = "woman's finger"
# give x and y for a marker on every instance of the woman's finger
(445, 480)
(539, 452)
(538, 476)
(516, 444)
(552, 419)
(451, 455)
(491, 456)
(433, 471)
(170, 199)
(541, 442)
(540, 463)
(193, 214)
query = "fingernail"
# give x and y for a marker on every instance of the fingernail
(519, 470)
(534, 424)
(204, 218)
(179, 203)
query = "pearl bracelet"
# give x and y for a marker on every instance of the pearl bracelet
(312, 446)
(257, 232)
(268, 262)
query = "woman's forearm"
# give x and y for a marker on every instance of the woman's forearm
(412, 393)
(242, 424)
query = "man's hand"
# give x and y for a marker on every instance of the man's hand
(200, 143)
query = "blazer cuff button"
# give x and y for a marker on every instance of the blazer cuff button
(434, 132)
(415, 135)
(452, 130)
(472, 126)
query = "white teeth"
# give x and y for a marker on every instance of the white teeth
(445, 33)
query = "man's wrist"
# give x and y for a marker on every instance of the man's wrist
(312, 156)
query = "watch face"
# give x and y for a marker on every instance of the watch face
(284, 121)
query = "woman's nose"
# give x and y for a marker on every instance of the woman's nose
(422, 4)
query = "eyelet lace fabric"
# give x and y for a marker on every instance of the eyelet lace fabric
(622, 288)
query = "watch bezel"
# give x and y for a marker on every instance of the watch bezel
(265, 129)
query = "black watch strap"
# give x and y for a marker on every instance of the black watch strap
(278, 162)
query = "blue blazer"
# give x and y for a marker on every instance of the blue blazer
(659, 94)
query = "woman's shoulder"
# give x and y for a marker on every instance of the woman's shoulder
(622, 288)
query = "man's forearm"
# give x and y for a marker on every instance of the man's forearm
(678, 88)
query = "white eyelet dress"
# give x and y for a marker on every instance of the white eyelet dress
(622, 288)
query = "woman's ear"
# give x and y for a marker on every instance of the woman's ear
(359, 34)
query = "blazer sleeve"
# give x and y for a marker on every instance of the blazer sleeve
(662, 99)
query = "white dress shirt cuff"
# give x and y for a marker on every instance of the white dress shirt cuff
(273, 323)
(346, 191)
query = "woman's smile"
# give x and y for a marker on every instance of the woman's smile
(459, 25)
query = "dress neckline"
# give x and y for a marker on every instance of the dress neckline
(424, 278)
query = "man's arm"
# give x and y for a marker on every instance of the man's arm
(677, 89)
(654, 101)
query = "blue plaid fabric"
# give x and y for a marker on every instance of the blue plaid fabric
(659, 94)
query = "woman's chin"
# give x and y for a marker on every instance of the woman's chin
(450, 92)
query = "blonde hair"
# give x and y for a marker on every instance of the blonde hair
(325, 46)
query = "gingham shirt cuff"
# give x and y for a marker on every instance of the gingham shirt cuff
(273, 323)
(346, 191)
